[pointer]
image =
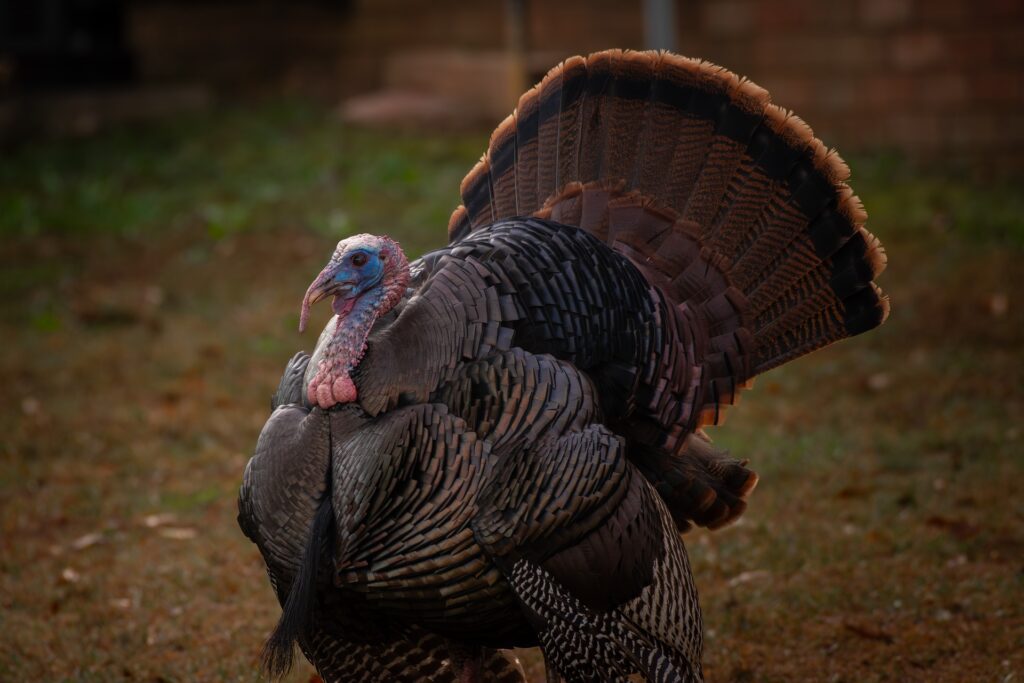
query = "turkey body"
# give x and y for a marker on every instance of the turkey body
(643, 237)
(521, 523)
(284, 486)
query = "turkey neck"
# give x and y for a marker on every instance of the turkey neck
(348, 344)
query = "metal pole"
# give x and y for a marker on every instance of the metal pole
(515, 46)
(660, 24)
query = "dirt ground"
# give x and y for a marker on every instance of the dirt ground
(142, 339)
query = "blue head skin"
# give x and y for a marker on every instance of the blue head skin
(361, 264)
(357, 271)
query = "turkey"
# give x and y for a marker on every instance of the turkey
(520, 431)
(283, 487)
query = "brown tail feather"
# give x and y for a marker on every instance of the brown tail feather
(547, 137)
(476, 194)
(503, 168)
(734, 211)
(567, 207)
(702, 484)
(623, 120)
(572, 77)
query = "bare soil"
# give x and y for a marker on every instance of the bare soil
(885, 541)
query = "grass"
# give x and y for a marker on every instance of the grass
(151, 279)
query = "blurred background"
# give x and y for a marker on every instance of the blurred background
(936, 80)
(173, 174)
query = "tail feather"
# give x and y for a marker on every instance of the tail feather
(572, 78)
(708, 486)
(660, 129)
(502, 167)
(527, 130)
(547, 137)
(681, 173)
(633, 220)
(596, 198)
(623, 114)
(737, 215)
(725, 153)
(735, 226)
(592, 123)
(476, 195)
(567, 207)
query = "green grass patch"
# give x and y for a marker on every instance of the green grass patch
(231, 171)
(904, 200)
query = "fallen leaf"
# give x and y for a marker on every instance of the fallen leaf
(869, 632)
(746, 577)
(958, 561)
(906, 499)
(852, 491)
(998, 304)
(83, 542)
(958, 528)
(879, 381)
(153, 296)
(30, 405)
(161, 519)
(178, 533)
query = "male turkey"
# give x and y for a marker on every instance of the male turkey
(282, 489)
(644, 236)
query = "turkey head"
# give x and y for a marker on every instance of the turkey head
(367, 275)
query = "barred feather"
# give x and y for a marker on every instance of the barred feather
(727, 202)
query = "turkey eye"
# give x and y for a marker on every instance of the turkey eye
(358, 259)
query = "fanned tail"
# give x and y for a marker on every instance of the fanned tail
(737, 215)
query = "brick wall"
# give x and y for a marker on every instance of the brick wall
(936, 79)
(313, 47)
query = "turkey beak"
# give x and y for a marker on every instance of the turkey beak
(323, 286)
